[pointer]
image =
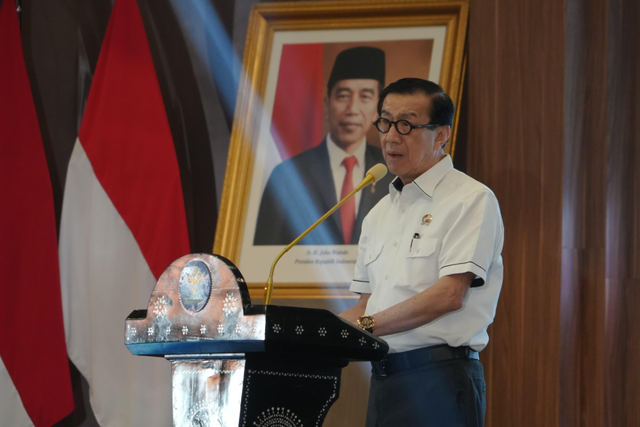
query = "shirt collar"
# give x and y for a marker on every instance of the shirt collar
(337, 154)
(426, 182)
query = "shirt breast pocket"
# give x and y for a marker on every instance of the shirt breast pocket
(372, 262)
(422, 264)
(373, 253)
(421, 248)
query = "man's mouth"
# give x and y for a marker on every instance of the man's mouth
(394, 154)
(350, 124)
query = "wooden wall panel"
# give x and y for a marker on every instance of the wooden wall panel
(584, 215)
(623, 217)
(516, 71)
(554, 129)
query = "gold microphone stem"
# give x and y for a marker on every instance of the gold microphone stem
(269, 288)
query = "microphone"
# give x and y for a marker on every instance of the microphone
(374, 174)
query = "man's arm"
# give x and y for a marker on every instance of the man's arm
(445, 296)
(357, 310)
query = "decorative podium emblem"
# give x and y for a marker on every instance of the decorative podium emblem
(278, 417)
(194, 286)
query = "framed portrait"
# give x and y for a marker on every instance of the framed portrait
(303, 132)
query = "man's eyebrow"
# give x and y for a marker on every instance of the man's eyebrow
(368, 90)
(342, 89)
(401, 115)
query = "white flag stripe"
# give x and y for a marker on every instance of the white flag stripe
(11, 407)
(105, 277)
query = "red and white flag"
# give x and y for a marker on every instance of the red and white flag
(35, 387)
(123, 222)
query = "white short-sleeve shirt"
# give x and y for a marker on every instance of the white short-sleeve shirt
(443, 223)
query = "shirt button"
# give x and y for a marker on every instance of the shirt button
(395, 243)
(386, 276)
(403, 210)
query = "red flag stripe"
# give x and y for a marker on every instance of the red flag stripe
(32, 342)
(126, 135)
(299, 95)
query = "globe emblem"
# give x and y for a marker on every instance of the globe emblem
(194, 286)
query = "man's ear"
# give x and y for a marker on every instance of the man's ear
(444, 133)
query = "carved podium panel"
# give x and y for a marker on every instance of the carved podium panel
(235, 364)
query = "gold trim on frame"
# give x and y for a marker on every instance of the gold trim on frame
(265, 20)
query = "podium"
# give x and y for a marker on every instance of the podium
(238, 365)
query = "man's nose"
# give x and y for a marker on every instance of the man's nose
(391, 137)
(393, 133)
(351, 106)
(355, 105)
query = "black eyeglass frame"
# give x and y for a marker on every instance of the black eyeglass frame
(431, 126)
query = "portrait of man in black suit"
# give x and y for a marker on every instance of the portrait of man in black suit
(301, 189)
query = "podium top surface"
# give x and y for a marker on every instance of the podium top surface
(200, 306)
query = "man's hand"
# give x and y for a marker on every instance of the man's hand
(357, 310)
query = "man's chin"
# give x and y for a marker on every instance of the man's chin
(393, 167)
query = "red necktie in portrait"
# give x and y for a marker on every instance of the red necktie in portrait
(348, 210)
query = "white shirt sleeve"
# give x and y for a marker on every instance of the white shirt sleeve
(360, 283)
(476, 236)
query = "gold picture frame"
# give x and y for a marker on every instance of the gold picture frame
(283, 23)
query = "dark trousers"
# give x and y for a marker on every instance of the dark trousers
(450, 393)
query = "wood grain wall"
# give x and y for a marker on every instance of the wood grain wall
(622, 273)
(516, 52)
(553, 128)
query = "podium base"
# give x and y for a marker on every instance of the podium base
(238, 390)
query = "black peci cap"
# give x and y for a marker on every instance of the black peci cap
(362, 62)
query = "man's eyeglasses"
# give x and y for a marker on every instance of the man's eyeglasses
(402, 126)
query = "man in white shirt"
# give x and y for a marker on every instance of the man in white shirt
(303, 188)
(429, 269)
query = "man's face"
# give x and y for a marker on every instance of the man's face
(409, 156)
(351, 108)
